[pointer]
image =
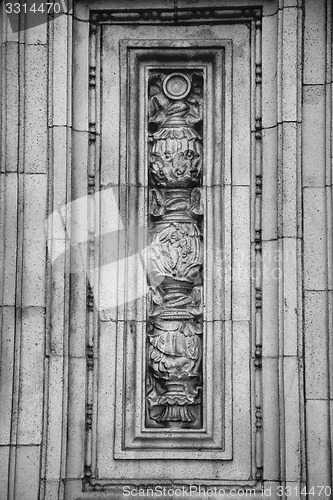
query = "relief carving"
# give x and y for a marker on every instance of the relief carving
(175, 299)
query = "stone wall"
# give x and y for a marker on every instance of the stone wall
(47, 130)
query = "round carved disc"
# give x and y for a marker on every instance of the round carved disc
(176, 86)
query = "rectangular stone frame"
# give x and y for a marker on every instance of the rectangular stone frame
(137, 440)
(130, 432)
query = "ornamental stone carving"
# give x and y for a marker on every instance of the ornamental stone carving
(175, 299)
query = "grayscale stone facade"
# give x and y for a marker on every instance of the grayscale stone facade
(166, 250)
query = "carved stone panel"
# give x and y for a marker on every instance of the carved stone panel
(175, 161)
(171, 379)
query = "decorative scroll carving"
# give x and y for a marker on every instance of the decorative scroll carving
(175, 302)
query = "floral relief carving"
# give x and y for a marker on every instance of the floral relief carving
(175, 299)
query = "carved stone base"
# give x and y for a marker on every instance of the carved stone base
(174, 415)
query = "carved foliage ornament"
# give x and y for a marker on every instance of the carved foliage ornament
(174, 337)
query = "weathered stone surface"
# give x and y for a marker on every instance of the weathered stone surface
(269, 186)
(61, 72)
(290, 64)
(314, 41)
(241, 255)
(10, 238)
(314, 143)
(269, 76)
(270, 369)
(11, 108)
(315, 273)
(317, 436)
(34, 249)
(55, 409)
(288, 179)
(290, 295)
(27, 472)
(35, 128)
(292, 419)
(4, 465)
(316, 344)
(7, 372)
(31, 372)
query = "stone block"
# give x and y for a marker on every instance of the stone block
(4, 469)
(51, 489)
(288, 179)
(330, 329)
(329, 206)
(269, 69)
(34, 238)
(11, 32)
(6, 372)
(269, 184)
(61, 71)
(81, 10)
(217, 265)
(76, 415)
(58, 301)
(313, 135)
(314, 42)
(315, 267)
(271, 463)
(80, 142)
(241, 140)
(318, 443)
(27, 472)
(316, 345)
(78, 312)
(9, 183)
(270, 8)
(106, 394)
(290, 297)
(36, 35)
(293, 489)
(270, 291)
(55, 418)
(241, 252)
(241, 391)
(2, 228)
(60, 160)
(35, 129)
(11, 109)
(30, 417)
(80, 74)
(290, 64)
(227, 255)
(292, 418)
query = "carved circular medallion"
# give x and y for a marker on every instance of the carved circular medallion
(176, 86)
